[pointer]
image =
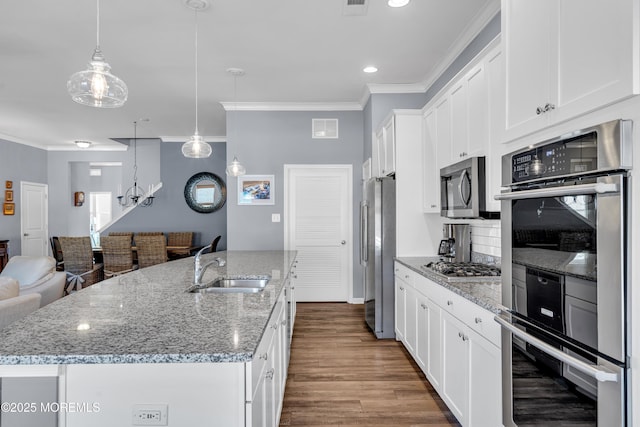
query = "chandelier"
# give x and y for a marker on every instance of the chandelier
(135, 195)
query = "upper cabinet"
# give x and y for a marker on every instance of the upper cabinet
(465, 119)
(565, 58)
(384, 149)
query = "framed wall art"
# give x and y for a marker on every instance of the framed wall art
(256, 190)
(8, 208)
(8, 195)
(8, 184)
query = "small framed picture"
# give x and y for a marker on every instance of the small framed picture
(8, 195)
(8, 208)
(256, 190)
(9, 184)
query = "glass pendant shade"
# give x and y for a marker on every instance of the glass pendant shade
(235, 168)
(96, 86)
(196, 147)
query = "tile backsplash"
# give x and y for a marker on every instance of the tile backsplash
(486, 242)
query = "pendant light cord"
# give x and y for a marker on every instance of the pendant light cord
(135, 156)
(196, 55)
(98, 24)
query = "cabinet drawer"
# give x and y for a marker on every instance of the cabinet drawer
(404, 273)
(427, 288)
(481, 321)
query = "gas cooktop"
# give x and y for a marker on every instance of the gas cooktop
(463, 270)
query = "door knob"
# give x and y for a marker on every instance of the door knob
(25, 234)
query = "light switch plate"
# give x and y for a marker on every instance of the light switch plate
(275, 217)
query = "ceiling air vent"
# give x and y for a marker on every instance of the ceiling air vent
(324, 128)
(354, 7)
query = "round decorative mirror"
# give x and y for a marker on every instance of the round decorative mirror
(205, 192)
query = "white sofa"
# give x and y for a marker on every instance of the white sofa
(36, 275)
(12, 305)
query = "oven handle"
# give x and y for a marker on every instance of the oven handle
(591, 370)
(570, 190)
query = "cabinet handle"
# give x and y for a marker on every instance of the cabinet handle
(460, 334)
(406, 276)
(478, 319)
(424, 306)
(397, 269)
(269, 374)
(549, 107)
(274, 326)
(264, 356)
(401, 288)
(284, 322)
(449, 302)
(539, 110)
(464, 337)
(433, 206)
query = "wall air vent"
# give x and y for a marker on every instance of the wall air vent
(355, 7)
(324, 128)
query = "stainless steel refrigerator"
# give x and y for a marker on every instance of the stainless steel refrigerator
(377, 250)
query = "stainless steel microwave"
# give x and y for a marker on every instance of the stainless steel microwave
(462, 190)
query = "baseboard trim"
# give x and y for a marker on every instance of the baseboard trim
(356, 301)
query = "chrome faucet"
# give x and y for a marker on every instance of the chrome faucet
(199, 268)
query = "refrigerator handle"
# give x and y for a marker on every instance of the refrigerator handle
(363, 232)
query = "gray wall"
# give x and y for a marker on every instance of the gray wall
(169, 211)
(18, 163)
(264, 142)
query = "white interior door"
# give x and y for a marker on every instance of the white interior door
(318, 224)
(34, 218)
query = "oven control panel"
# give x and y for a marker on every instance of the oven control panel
(568, 157)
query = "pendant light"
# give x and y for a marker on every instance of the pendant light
(196, 147)
(235, 168)
(96, 86)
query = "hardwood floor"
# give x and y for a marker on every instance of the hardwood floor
(340, 374)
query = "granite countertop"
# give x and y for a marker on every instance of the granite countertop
(146, 317)
(486, 293)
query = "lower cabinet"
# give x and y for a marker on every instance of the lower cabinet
(458, 351)
(269, 371)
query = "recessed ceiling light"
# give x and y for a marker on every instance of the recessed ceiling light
(83, 144)
(370, 69)
(398, 3)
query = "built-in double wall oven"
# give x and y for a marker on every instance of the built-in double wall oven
(565, 219)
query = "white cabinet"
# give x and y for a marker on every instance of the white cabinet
(384, 149)
(455, 366)
(269, 370)
(463, 121)
(455, 342)
(400, 308)
(565, 58)
(485, 382)
(430, 169)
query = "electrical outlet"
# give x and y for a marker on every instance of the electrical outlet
(150, 415)
(275, 217)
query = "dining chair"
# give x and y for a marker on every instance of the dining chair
(78, 263)
(181, 242)
(56, 251)
(117, 255)
(151, 250)
(214, 244)
(123, 233)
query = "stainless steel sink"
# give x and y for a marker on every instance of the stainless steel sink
(251, 284)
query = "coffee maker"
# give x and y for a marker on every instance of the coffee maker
(455, 245)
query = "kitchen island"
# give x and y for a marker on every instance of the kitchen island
(139, 341)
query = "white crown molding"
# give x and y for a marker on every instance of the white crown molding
(291, 106)
(11, 138)
(183, 138)
(397, 88)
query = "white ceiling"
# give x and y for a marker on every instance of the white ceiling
(294, 52)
